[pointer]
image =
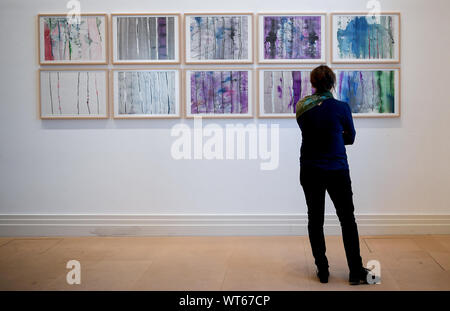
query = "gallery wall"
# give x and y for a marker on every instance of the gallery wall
(399, 166)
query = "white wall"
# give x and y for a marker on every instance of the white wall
(399, 166)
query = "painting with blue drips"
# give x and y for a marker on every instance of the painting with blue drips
(363, 38)
(218, 38)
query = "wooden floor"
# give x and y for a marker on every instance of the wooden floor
(218, 263)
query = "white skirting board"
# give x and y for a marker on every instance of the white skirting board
(211, 225)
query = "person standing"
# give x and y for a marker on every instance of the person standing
(327, 126)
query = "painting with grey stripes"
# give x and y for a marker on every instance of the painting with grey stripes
(219, 38)
(147, 93)
(145, 38)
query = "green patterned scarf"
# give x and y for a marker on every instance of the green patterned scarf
(310, 102)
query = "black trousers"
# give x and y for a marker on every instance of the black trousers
(315, 182)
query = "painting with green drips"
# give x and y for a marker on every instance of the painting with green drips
(64, 41)
(373, 92)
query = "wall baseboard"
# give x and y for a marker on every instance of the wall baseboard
(211, 225)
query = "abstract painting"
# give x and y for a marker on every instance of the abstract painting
(280, 90)
(220, 93)
(146, 93)
(62, 41)
(293, 38)
(145, 38)
(366, 39)
(370, 92)
(73, 94)
(224, 38)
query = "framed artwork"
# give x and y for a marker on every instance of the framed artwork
(279, 90)
(67, 42)
(220, 38)
(370, 92)
(145, 38)
(291, 38)
(219, 93)
(360, 38)
(73, 93)
(146, 93)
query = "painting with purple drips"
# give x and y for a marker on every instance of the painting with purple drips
(280, 90)
(294, 38)
(224, 93)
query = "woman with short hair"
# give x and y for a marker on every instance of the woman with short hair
(327, 126)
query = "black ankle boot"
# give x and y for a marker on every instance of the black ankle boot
(323, 274)
(359, 276)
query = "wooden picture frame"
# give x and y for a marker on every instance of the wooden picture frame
(301, 58)
(221, 98)
(64, 90)
(148, 101)
(152, 50)
(372, 47)
(278, 92)
(72, 50)
(209, 59)
(373, 86)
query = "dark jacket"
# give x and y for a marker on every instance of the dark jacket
(326, 129)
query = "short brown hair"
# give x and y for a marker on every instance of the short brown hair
(323, 79)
